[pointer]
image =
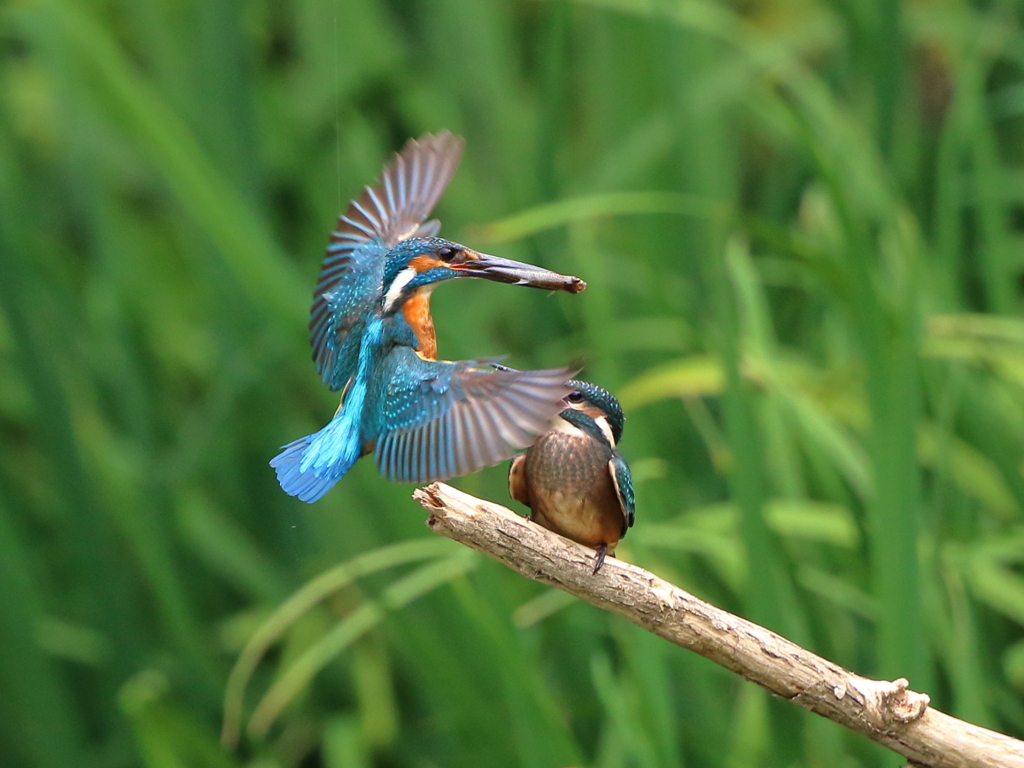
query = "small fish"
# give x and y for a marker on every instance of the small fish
(540, 278)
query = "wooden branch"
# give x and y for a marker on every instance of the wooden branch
(887, 712)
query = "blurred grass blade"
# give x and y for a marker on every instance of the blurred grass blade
(300, 603)
(238, 231)
(47, 732)
(362, 618)
(580, 209)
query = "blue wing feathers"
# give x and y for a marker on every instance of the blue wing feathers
(623, 479)
(428, 420)
(353, 266)
(430, 228)
(441, 419)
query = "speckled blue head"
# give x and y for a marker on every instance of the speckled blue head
(428, 257)
(586, 394)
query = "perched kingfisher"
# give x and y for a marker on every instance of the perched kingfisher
(573, 479)
(373, 338)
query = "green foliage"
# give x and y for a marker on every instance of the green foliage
(800, 221)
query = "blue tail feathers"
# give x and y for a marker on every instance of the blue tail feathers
(308, 486)
(310, 466)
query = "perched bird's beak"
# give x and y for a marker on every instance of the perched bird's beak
(517, 273)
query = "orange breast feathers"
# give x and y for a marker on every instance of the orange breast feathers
(416, 312)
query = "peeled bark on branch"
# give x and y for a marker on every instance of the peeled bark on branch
(887, 712)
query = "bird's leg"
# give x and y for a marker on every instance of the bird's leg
(599, 559)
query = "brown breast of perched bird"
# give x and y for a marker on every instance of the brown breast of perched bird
(565, 481)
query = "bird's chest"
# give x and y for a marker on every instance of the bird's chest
(416, 312)
(571, 489)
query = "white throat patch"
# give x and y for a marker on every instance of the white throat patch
(561, 425)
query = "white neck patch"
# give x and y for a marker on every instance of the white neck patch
(602, 422)
(401, 280)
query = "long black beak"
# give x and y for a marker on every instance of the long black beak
(517, 273)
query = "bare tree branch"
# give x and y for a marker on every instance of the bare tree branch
(887, 712)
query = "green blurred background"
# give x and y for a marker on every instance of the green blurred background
(802, 225)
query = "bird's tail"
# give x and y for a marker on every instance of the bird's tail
(310, 485)
(310, 466)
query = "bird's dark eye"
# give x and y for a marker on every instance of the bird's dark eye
(446, 253)
(575, 397)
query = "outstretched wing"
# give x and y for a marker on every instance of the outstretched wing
(449, 419)
(352, 270)
(623, 480)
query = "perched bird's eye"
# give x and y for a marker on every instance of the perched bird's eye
(446, 253)
(574, 397)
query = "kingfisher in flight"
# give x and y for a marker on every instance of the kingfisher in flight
(373, 338)
(573, 478)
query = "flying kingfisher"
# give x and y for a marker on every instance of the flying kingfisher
(573, 479)
(373, 338)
